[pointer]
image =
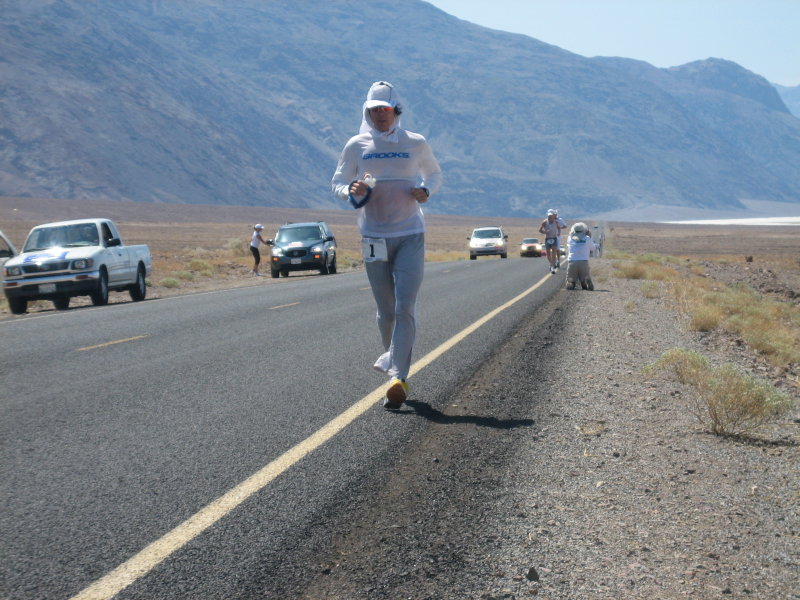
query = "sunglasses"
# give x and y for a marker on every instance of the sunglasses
(379, 109)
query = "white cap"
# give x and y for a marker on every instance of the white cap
(259, 226)
(551, 212)
(381, 93)
(579, 227)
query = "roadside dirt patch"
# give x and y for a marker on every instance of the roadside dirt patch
(584, 478)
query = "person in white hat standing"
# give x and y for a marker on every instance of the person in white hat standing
(255, 240)
(386, 173)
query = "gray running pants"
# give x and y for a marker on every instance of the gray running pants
(395, 284)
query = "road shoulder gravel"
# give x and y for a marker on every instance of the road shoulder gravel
(559, 470)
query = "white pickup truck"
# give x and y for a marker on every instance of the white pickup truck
(75, 258)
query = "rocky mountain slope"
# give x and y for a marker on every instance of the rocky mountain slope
(245, 102)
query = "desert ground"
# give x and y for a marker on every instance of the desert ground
(200, 247)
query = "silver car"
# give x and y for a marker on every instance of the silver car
(486, 241)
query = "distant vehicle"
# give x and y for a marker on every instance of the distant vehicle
(303, 247)
(531, 247)
(487, 241)
(75, 258)
(7, 249)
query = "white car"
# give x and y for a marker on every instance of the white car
(487, 241)
(75, 258)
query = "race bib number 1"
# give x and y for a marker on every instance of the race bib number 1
(374, 249)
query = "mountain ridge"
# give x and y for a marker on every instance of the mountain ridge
(249, 103)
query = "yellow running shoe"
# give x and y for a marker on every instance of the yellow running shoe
(395, 394)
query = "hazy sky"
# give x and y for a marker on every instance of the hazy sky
(761, 35)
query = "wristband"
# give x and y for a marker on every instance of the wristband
(358, 203)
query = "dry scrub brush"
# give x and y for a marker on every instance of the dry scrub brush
(726, 401)
(769, 327)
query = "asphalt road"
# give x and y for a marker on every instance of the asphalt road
(119, 423)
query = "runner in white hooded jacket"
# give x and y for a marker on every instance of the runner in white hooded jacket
(405, 174)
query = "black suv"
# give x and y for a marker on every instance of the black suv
(303, 247)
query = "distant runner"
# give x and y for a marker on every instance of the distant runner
(550, 229)
(563, 225)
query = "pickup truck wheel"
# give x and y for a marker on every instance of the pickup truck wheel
(17, 306)
(275, 274)
(138, 290)
(100, 295)
(61, 302)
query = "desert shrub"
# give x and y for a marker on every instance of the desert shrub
(198, 264)
(662, 273)
(649, 257)
(237, 247)
(628, 270)
(705, 318)
(614, 254)
(170, 282)
(737, 403)
(650, 289)
(727, 401)
(687, 365)
(185, 275)
(770, 327)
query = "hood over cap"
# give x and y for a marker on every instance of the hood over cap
(381, 93)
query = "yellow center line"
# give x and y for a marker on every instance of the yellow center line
(283, 306)
(130, 339)
(147, 559)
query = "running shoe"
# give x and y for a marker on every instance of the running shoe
(584, 285)
(589, 285)
(383, 363)
(396, 394)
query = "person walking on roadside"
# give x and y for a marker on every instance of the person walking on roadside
(580, 246)
(550, 229)
(255, 241)
(562, 224)
(386, 173)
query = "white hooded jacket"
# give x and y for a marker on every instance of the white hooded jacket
(399, 160)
